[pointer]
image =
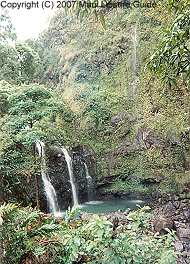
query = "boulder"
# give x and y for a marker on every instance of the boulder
(162, 223)
(178, 246)
(115, 120)
(183, 232)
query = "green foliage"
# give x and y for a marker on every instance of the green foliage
(29, 105)
(96, 78)
(91, 73)
(27, 233)
(7, 32)
(4, 94)
(19, 62)
(128, 186)
(29, 113)
(29, 62)
(9, 63)
(172, 59)
(179, 5)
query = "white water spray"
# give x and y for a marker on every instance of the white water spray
(70, 170)
(49, 189)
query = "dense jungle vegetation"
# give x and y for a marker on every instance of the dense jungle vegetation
(118, 81)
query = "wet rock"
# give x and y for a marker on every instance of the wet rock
(183, 233)
(176, 204)
(151, 139)
(115, 120)
(161, 224)
(85, 216)
(187, 214)
(181, 260)
(186, 245)
(170, 209)
(177, 211)
(179, 224)
(150, 181)
(178, 246)
(59, 173)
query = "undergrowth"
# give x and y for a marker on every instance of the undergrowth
(29, 235)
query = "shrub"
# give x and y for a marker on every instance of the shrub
(28, 233)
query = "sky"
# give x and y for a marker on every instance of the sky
(29, 23)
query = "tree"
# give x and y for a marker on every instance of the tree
(29, 113)
(29, 62)
(9, 66)
(172, 60)
(19, 63)
(7, 32)
(5, 90)
(27, 106)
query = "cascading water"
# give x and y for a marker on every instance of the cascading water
(135, 43)
(70, 170)
(49, 189)
(90, 184)
(134, 60)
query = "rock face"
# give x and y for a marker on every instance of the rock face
(175, 215)
(31, 189)
(79, 173)
(115, 120)
(184, 232)
(59, 174)
(82, 155)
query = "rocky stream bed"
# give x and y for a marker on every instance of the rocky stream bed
(170, 214)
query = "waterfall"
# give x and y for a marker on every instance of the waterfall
(135, 43)
(90, 184)
(70, 170)
(134, 61)
(49, 189)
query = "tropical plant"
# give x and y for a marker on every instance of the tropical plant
(29, 235)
